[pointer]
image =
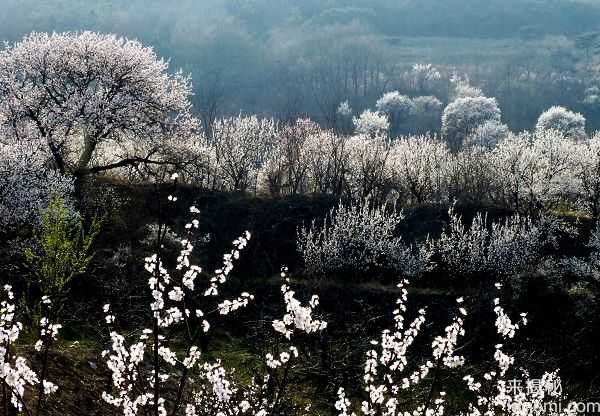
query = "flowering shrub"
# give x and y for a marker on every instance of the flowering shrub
(360, 237)
(286, 171)
(586, 174)
(487, 135)
(424, 76)
(396, 106)
(344, 109)
(366, 173)
(418, 166)
(587, 268)
(241, 147)
(427, 104)
(464, 89)
(536, 171)
(394, 103)
(150, 375)
(489, 249)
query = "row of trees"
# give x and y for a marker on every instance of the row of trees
(95, 103)
(525, 172)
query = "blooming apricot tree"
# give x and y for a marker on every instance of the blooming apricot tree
(90, 87)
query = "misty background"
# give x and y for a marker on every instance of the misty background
(287, 58)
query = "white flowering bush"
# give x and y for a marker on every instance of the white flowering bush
(424, 76)
(463, 88)
(394, 103)
(360, 237)
(426, 104)
(396, 106)
(534, 171)
(557, 118)
(344, 109)
(366, 171)
(470, 178)
(586, 174)
(484, 248)
(152, 374)
(286, 171)
(242, 145)
(586, 269)
(487, 135)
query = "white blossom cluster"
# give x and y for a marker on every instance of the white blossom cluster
(305, 159)
(297, 316)
(241, 145)
(424, 76)
(220, 393)
(134, 386)
(395, 105)
(15, 372)
(426, 104)
(344, 109)
(387, 372)
(586, 268)
(494, 391)
(463, 115)
(418, 168)
(400, 108)
(487, 135)
(571, 124)
(464, 89)
(147, 367)
(371, 123)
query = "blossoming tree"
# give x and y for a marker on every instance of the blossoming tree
(75, 91)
